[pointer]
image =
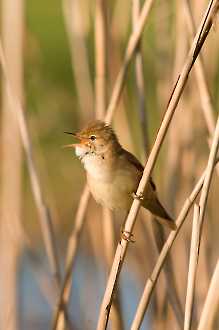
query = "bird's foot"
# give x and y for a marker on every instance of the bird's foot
(139, 197)
(127, 236)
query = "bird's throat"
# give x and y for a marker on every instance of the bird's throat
(81, 152)
(97, 167)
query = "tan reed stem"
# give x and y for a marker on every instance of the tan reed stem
(205, 96)
(151, 282)
(45, 219)
(71, 253)
(101, 52)
(207, 182)
(43, 211)
(202, 206)
(199, 40)
(172, 169)
(11, 193)
(139, 76)
(79, 58)
(210, 309)
(101, 58)
(131, 47)
(72, 13)
(204, 197)
(192, 270)
(109, 250)
(109, 237)
(112, 106)
(158, 231)
(172, 294)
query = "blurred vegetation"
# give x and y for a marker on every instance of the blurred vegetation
(52, 106)
(51, 96)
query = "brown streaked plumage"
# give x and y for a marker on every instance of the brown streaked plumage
(113, 173)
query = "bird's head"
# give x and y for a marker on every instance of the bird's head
(95, 139)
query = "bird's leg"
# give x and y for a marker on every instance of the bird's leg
(139, 197)
(124, 234)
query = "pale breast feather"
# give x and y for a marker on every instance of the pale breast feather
(115, 194)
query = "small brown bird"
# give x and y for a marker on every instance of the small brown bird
(113, 173)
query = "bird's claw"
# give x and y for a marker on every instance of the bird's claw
(127, 236)
(139, 196)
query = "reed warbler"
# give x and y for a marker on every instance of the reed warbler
(113, 173)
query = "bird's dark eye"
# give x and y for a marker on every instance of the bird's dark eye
(93, 137)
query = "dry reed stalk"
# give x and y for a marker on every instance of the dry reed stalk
(174, 149)
(11, 242)
(75, 30)
(43, 211)
(158, 231)
(72, 14)
(141, 101)
(207, 182)
(101, 58)
(172, 166)
(71, 253)
(211, 305)
(131, 47)
(109, 250)
(109, 237)
(100, 84)
(172, 294)
(205, 97)
(173, 169)
(101, 52)
(151, 282)
(139, 77)
(192, 270)
(80, 65)
(202, 208)
(46, 224)
(80, 60)
(141, 108)
(198, 42)
(111, 108)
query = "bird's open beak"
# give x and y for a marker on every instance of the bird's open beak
(74, 134)
(72, 145)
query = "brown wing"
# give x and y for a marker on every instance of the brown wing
(151, 202)
(132, 159)
(152, 184)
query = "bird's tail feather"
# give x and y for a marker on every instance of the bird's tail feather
(155, 207)
(166, 222)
